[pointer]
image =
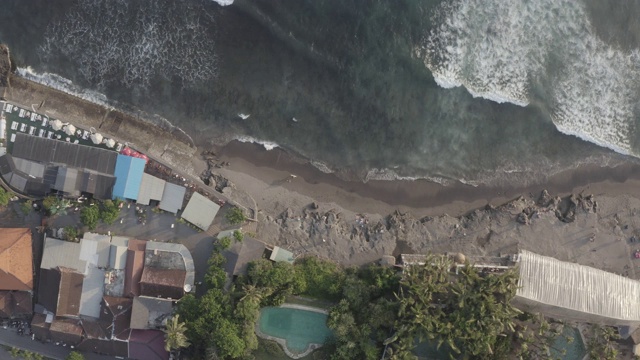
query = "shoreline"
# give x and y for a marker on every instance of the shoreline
(419, 197)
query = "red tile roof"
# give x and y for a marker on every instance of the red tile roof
(147, 345)
(134, 267)
(16, 259)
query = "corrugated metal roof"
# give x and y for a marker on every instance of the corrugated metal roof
(200, 211)
(280, 254)
(128, 173)
(151, 188)
(95, 249)
(62, 253)
(172, 198)
(53, 151)
(92, 291)
(29, 167)
(582, 289)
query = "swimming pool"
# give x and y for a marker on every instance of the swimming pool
(568, 350)
(299, 330)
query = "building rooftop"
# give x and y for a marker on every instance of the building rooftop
(166, 283)
(16, 259)
(116, 315)
(151, 188)
(69, 293)
(62, 253)
(279, 254)
(128, 173)
(149, 312)
(240, 254)
(155, 257)
(68, 331)
(59, 152)
(200, 211)
(147, 345)
(134, 267)
(172, 198)
(574, 291)
(15, 304)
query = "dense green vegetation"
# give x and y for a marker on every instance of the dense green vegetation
(109, 211)
(90, 216)
(374, 311)
(74, 355)
(235, 216)
(5, 196)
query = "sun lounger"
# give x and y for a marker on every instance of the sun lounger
(23, 127)
(50, 134)
(13, 137)
(42, 132)
(45, 122)
(21, 114)
(9, 108)
(14, 125)
(32, 130)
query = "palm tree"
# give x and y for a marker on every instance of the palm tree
(174, 334)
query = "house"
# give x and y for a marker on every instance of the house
(149, 312)
(60, 291)
(147, 345)
(115, 316)
(134, 267)
(66, 331)
(40, 326)
(16, 272)
(241, 253)
(165, 283)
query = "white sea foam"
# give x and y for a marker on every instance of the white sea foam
(498, 50)
(63, 84)
(321, 166)
(268, 145)
(224, 2)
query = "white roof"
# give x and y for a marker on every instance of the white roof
(200, 211)
(151, 188)
(548, 281)
(62, 253)
(172, 197)
(92, 291)
(95, 249)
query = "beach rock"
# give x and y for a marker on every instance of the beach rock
(545, 198)
(522, 218)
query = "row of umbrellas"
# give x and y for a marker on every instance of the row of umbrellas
(69, 129)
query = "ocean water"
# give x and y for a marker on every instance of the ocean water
(459, 90)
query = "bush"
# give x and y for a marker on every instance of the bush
(26, 207)
(74, 355)
(90, 216)
(4, 197)
(271, 348)
(70, 233)
(236, 216)
(238, 235)
(224, 243)
(109, 212)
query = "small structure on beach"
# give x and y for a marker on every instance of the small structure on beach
(279, 254)
(200, 211)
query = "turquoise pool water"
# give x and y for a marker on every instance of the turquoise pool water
(575, 350)
(299, 328)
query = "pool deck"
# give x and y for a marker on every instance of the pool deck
(283, 342)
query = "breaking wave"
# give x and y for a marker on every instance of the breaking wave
(132, 43)
(268, 145)
(501, 51)
(224, 2)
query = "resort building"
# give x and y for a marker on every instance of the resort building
(576, 292)
(200, 211)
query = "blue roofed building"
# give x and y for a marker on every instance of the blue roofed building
(128, 175)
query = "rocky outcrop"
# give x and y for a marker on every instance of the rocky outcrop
(357, 239)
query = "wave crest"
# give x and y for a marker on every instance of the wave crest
(502, 50)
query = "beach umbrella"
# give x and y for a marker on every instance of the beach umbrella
(96, 138)
(56, 125)
(70, 129)
(111, 143)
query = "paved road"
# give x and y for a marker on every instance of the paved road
(10, 337)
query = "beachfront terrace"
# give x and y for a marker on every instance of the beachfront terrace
(28, 121)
